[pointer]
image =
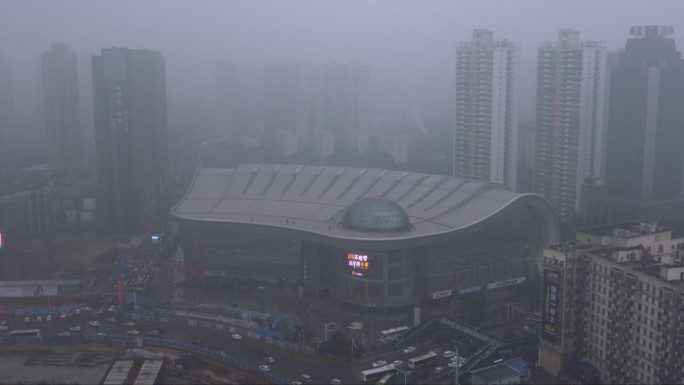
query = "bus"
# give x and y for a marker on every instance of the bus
(25, 333)
(385, 379)
(425, 359)
(373, 375)
(391, 334)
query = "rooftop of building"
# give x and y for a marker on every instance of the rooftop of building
(630, 230)
(350, 203)
(496, 373)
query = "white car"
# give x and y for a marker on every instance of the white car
(75, 328)
(49, 317)
(454, 364)
(265, 368)
(111, 319)
(270, 360)
(410, 349)
(3, 327)
(64, 334)
(129, 323)
(154, 332)
(101, 334)
(397, 362)
(62, 316)
(379, 363)
(133, 332)
(448, 354)
(39, 319)
(94, 324)
(236, 336)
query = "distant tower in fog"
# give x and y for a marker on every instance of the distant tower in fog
(486, 131)
(6, 107)
(129, 90)
(570, 123)
(61, 105)
(303, 98)
(230, 126)
(645, 154)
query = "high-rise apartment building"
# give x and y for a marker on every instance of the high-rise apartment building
(301, 98)
(6, 106)
(61, 105)
(646, 118)
(231, 124)
(129, 89)
(486, 131)
(570, 123)
(614, 298)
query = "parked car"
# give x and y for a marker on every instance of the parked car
(3, 327)
(236, 336)
(410, 349)
(454, 364)
(129, 323)
(335, 381)
(448, 354)
(265, 368)
(49, 317)
(154, 332)
(64, 334)
(133, 332)
(39, 319)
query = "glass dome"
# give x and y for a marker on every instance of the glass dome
(376, 215)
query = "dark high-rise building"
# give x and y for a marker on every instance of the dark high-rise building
(61, 105)
(6, 106)
(129, 90)
(646, 118)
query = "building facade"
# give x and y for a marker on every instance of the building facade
(363, 236)
(6, 107)
(61, 105)
(486, 131)
(570, 124)
(614, 299)
(129, 88)
(644, 158)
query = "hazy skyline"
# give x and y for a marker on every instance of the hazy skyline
(409, 45)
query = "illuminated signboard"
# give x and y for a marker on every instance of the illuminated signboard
(0, 240)
(365, 265)
(552, 306)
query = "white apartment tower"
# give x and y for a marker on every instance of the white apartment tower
(570, 125)
(486, 131)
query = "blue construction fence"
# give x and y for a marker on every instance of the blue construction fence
(255, 333)
(157, 341)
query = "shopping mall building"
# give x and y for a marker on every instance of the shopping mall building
(390, 238)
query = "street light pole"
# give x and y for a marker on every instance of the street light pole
(402, 372)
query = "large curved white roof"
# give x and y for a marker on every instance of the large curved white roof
(313, 199)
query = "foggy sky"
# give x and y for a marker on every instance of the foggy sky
(409, 45)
